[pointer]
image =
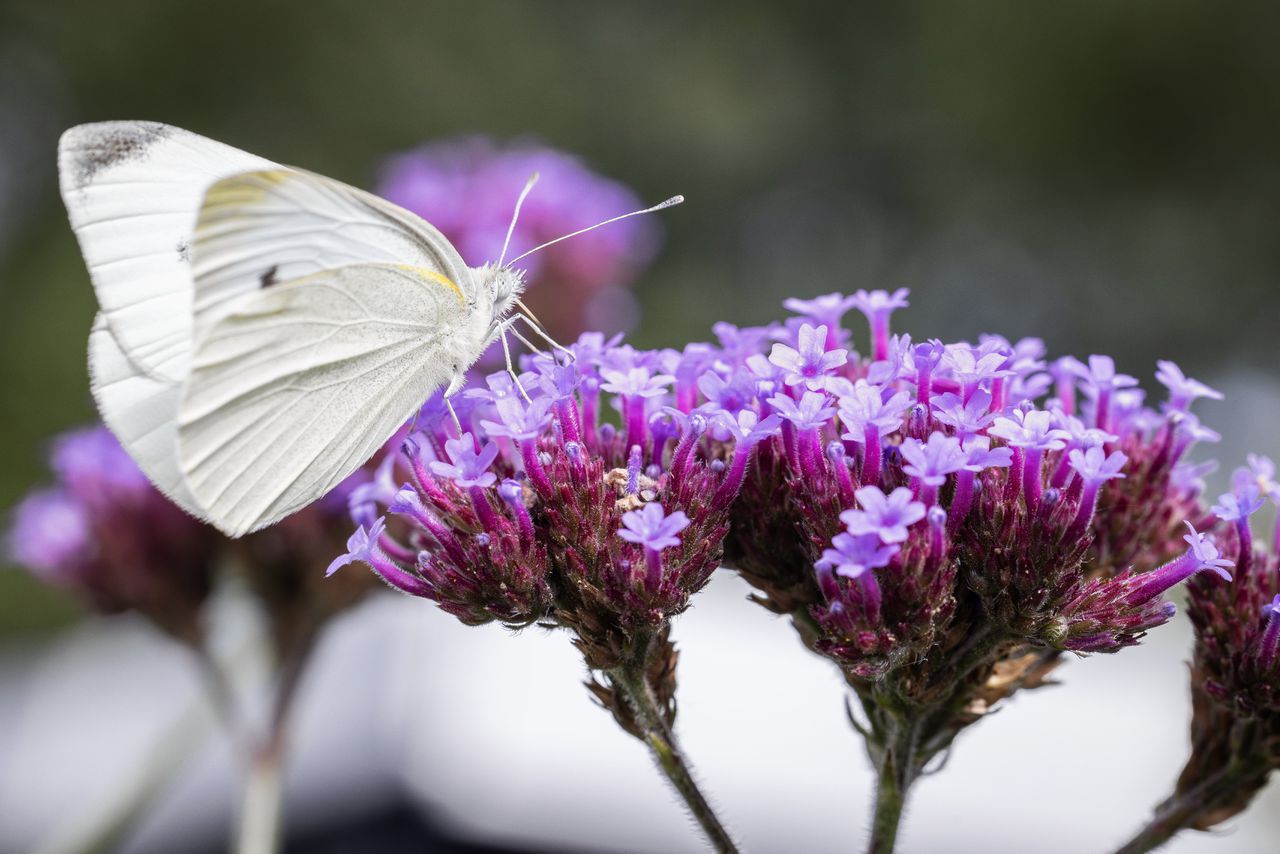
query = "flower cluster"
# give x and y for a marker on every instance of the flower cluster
(1235, 674)
(933, 485)
(105, 533)
(467, 187)
(543, 510)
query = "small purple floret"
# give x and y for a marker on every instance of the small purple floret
(652, 528)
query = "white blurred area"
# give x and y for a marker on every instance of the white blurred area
(493, 735)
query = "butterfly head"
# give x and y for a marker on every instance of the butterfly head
(502, 285)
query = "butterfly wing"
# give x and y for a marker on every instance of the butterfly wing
(132, 190)
(261, 228)
(141, 411)
(302, 382)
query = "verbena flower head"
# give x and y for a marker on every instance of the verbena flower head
(106, 534)
(547, 512)
(1054, 529)
(1235, 673)
(467, 188)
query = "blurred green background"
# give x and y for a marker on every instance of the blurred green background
(1100, 174)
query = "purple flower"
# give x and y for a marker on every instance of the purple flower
(980, 456)
(558, 380)
(94, 466)
(932, 461)
(886, 516)
(811, 413)
(970, 368)
(469, 467)
(878, 306)
(879, 303)
(812, 362)
(50, 534)
(1100, 374)
(1202, 555)
(636, 382)
(652, 528)
(731, 395)
(852, 556)
(827, 310)
(1268, 649)
(1095, 468)
(1182, 389)
(1094, 465)
(519, 422)
(1239, 505)
(1261, 472)
(747, 428)
(1206, 554)
(967, 417)
(361, 546)
(865, 406)
(499, 386)
(1035, 431)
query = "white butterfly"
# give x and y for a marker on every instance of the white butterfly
(263, 330)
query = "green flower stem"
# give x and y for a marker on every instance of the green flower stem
(898, 764)
(1181, 810)
(633, 684)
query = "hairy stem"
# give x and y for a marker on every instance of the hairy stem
(897, 765)
(631, 681)
(1182, 809)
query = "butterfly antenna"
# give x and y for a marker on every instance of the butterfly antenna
(669, 203)
(515, 215)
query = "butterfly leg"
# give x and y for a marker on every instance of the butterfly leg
(533, 323)
(506, 352)
(454, 387)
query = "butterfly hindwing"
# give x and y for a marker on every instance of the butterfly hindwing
(141, 411)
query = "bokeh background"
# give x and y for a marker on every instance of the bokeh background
(1103, 175)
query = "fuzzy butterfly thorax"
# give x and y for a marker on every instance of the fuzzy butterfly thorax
(500, 287)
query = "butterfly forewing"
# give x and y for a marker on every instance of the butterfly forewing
(303, 381)
(132, 190)
(259, 229)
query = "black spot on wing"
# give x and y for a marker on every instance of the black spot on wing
(115, 142)
(268, 278)
(184, 251)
